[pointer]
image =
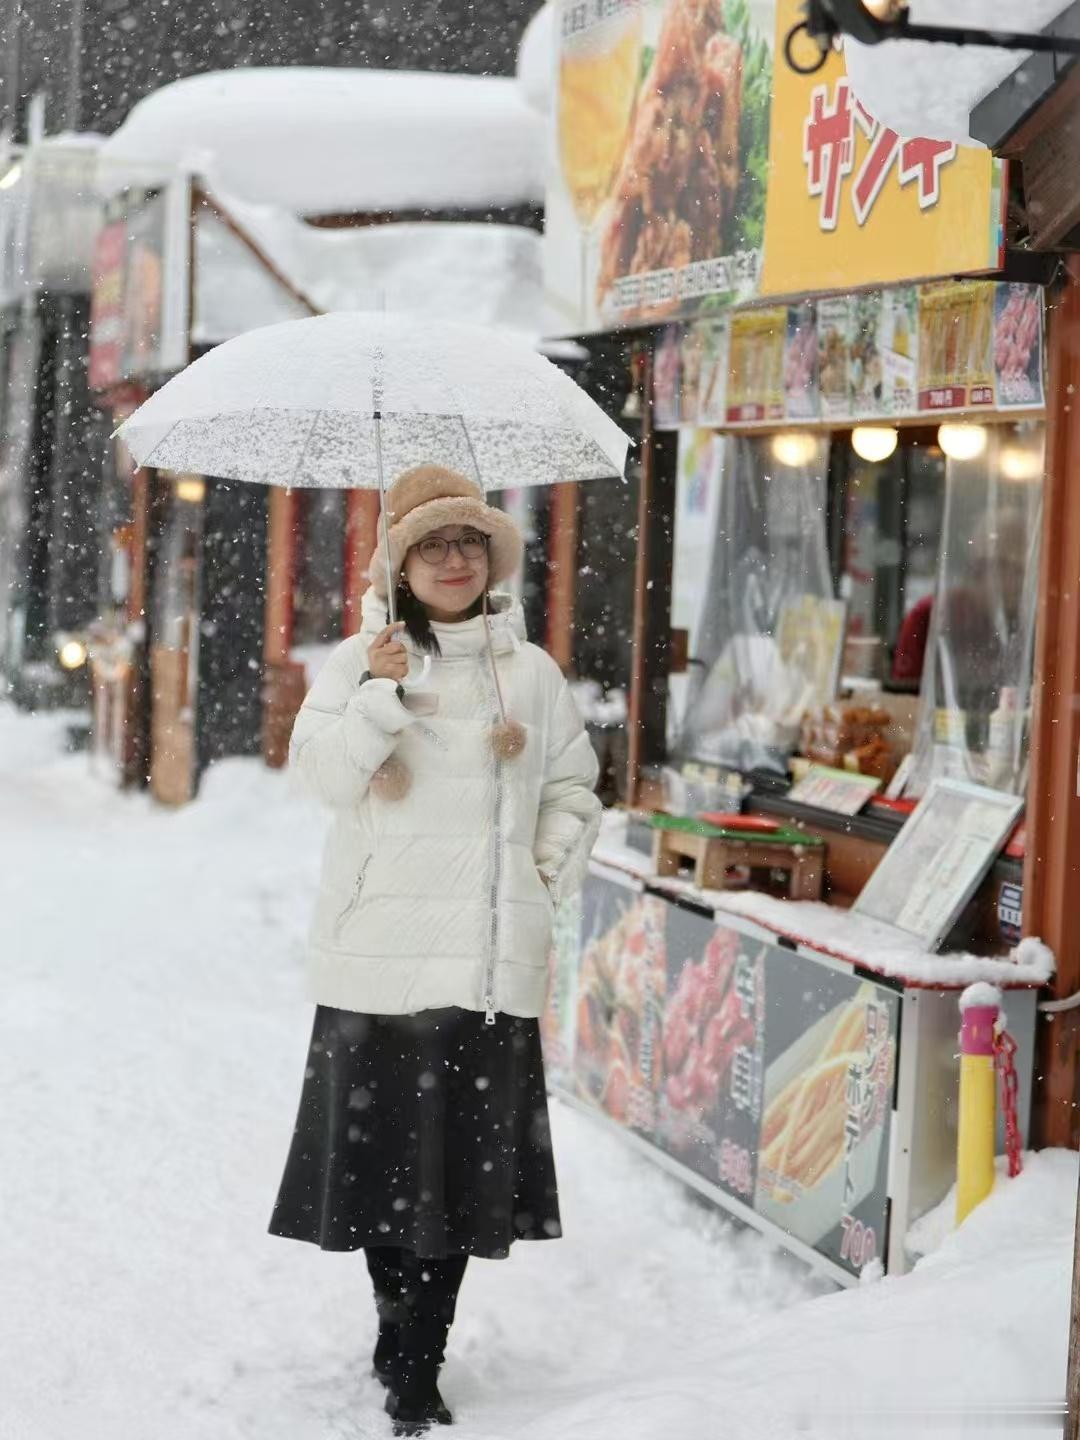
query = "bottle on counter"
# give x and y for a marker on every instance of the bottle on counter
(1001, 733)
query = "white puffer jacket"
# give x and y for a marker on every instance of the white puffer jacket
(437, 899)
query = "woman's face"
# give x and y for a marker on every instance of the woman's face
(447, 570)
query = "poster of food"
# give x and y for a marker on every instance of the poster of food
(822, 1150)
(656, 209)
(834, 343)
(1018, 345)
(620, 990)
(709, 1106)
(756, 366)
(899, 345)
(712, 383)
(802, 400)
(865, 369)
(810, 633)
(767, 1073)
(667, 378)
(955, 330)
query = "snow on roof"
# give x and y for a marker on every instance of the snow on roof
(536, 60)
(928, 89)
(329, 140)
(485, 274)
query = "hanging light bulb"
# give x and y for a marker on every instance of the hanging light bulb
(962, 441)
(1017, 462)
(794, 448)
(191, 488)
(874, 443)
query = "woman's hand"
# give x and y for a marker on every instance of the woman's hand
(387, 657)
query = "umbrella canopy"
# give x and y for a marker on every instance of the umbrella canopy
(342, 400)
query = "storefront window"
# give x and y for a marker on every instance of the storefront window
(980, 624)
(888, 542)
(768, 634)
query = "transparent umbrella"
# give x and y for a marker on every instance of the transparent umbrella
(348, 399)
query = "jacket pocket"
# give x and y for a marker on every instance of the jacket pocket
(345, 915)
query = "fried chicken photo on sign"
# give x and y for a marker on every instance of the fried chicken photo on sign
(677, 183)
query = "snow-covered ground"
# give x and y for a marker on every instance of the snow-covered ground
(152, 1037)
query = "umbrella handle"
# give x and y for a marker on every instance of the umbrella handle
(421, 679)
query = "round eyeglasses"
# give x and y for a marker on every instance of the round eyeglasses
(433, 549)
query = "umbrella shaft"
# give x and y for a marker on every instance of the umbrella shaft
(384, 521)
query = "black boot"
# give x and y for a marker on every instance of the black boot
(384, 1265)
(417, 1417)
(386, 1348)
(430, 1289)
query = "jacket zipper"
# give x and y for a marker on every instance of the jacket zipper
(354, 898)
(496, 878)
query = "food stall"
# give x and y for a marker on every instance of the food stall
(841, 392)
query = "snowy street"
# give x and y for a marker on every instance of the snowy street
(151, 1043)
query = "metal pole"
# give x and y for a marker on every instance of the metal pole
(384, 522)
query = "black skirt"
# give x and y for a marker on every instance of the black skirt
(426, 1131)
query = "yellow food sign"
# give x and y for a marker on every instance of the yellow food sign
(851, 202)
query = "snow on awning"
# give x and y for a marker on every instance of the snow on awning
(925, 89)
(336, 141)
(536, 60)
(456, 270)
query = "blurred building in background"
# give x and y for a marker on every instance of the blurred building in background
(176, 237)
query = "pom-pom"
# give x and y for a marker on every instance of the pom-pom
(392, 781)
(508, 739)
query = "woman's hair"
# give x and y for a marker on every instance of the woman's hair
(412, 612)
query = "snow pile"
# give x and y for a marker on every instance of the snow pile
(923, 88)
(151, 1049)
(331, 140)
(832, 931)
(536, 60)
(481, 273)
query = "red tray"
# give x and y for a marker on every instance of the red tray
(753, 824)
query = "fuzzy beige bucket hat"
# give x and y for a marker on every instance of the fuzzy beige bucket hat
(428, 497)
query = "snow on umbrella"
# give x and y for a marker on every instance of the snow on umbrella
(344, 400)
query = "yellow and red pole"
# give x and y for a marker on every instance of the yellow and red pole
(980, 1011)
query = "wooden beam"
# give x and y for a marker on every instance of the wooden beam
(282, 521)
(361, 537)
(200, 197)
(562, 573)
(643, 370)
(1052, 863)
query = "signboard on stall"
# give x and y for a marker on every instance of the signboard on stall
(140, 299)
(766, 1072)
(916, 350)
(695, 169)
(853, 203)
(656, 207)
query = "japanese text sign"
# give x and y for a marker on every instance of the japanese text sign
(853, 203)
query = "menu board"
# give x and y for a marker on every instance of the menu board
(879, 354)
(936, 863)
(766, 1072)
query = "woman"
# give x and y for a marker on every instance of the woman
(464, 809)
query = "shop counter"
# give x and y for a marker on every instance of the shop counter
(759, 1050)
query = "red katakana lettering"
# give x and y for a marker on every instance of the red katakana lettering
(923, 160)
(878, 161)
(828, 148)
